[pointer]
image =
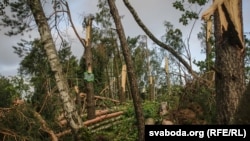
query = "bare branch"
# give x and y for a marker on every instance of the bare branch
(188, 41)
(83, 42)
(153, 38)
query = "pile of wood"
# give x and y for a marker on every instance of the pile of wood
(104, 119)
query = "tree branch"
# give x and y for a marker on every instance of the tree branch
(153, 38)
(45, 126)
(73, 26)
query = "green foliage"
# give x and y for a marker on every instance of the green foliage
(173, 37)
(8, 92)
(103, 17)
(107, 60)
(36, 67)
(21, 125)
(85, 135)
(201, 64)
(151, 109)
(172, 99)
(126, 130)
(188, 13)
(12, 88)
(147, 61)
(205, 65)
(178, 5)
(139, 57)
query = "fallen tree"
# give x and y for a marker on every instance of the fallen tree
(97, 122)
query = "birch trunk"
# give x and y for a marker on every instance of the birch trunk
(45, 33)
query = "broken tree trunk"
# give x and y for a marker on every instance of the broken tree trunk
(88, 75)
(123, 84)
(229, 60)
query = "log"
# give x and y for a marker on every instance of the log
(104, 123)
(106, 126)
(95, 120)
(63, 121)
(101, 97)
(98, 113)
(63, 133)
(101, 112)
(103, 117)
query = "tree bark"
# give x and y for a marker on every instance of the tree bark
(69, 107)
(243, 111)
(89, 63)
(130, 70)
(88, 60)
(229, 61)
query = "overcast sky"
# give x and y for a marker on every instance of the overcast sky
(152, 12)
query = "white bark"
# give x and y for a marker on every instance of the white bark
(68, 104)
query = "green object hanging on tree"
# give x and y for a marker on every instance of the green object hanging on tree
(89, 77)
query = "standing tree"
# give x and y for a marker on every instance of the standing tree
(88, 75)
(230, 53)
(130, 70)
(88, 60)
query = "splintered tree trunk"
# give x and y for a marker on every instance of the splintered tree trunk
(130, 70)
(151, 88)
(208, 44)
(168, 76)
(123, 83)
(89, 63)
(229, 63)
(69, 107)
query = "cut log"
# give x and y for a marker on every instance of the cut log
(98, 113)
(100, 97)
(103, 117)
(90, 123)
(110, 121)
